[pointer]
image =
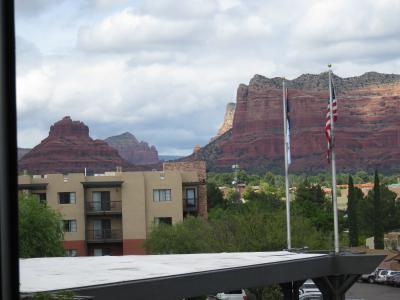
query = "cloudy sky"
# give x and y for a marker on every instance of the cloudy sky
(165, 69)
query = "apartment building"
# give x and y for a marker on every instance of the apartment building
(112, 213)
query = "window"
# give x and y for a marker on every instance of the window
(71, 252)
(102, 251)
(101, 201)
(67, 198)
(41, 196)
(163, 220)
(190, 196)
(69, 225)
(162, 195)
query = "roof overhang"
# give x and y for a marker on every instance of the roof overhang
(101, 184)
(178, 276)
(32, 186)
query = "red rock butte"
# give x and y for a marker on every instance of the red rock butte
(69, 148)
(139, 153)
(367, 131)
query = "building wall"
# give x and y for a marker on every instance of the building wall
(138, 208)
(200, 168)
(133, 206)
(167, 180)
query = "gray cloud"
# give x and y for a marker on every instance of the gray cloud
(165, 70)
(34, 7)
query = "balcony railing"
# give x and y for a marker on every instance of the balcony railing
(190, 204)
(103, 207)
(104, 235)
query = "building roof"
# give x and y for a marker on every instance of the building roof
(160, 277)
(57, 273)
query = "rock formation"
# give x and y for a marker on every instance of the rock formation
(367, 131)
(228, 120)
(68, 149)
(21, 152)
(138, 153)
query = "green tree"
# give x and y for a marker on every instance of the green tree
(233, 197)
(352, 214)
(310, 202)
(378, 222)
(215, 197)
(252, 226)
(40, 232)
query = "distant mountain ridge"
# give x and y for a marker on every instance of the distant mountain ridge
(69, 149)
(138, 153)
(367, 131)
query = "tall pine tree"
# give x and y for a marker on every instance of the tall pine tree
(352, 214)
(378, 218)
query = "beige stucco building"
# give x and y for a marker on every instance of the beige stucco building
(112, 213)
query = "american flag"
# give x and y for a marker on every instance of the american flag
(288, 127)
(328, 120)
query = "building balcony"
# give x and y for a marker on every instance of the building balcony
(190, 204)
(104, 236)
(103, 207)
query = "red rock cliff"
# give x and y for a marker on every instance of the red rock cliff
(69, 148)
(139, 153)
(367, 131)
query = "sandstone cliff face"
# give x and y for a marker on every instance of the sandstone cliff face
(367, 131)
(138, 153)
(68, 149)
(228, 119)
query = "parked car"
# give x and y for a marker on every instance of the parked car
(368, 277)
(308, 287)
(309, 290)
(396, 281)
(393, 279)
(381, 276)
(231, 295)
(311, 296)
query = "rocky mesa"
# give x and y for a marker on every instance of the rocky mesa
(367, 131)
(228, 120)
(130, 149)
(69, 148)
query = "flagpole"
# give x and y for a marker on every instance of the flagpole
(333, 160)
(289, 240)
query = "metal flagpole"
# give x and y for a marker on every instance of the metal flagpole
(285, 138)
(333, 160)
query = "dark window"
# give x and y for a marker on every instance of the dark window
(107, 251)
(163, 220)
(41, 196)
(101, 200)
(190, 196)
(71, 252)
(67, 198)
(161, 195)
(69, 225)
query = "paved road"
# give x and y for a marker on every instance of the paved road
(368, 291)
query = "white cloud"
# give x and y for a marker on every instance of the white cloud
(165, 70)
(177, 9)
(363, 30)
(127, 30)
